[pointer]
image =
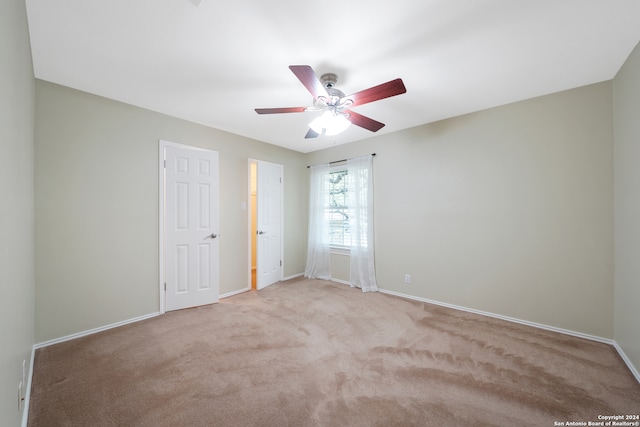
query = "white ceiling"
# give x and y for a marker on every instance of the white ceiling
(213, 61)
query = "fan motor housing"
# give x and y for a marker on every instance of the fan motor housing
(329, 80)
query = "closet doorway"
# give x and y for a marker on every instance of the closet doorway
(265, 223)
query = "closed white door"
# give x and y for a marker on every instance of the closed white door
(269, 224)
(191, 227)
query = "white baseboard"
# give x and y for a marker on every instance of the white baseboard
(232, 293)
(507, 318)
(27, 396)
(626, 359)
(248, 288)
(611, 342)
(292, 277)
(95, 330)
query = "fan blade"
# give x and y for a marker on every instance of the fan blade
(385, 90)
(281, 110)
(311, 134)
(364, 122)
(308, 77)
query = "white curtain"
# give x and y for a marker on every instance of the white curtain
(360, 200)
(318, 251)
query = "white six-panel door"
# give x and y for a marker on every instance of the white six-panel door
(269, 224)
(191, 227)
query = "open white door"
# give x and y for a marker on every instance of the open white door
(269, 224)
(191, 227)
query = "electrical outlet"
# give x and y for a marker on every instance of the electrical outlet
(407, 279)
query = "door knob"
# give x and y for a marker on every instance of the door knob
(211, 236)
(260, 232)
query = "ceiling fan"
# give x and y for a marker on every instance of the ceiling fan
(336, 107)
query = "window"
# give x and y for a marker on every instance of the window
(341, 221)
(337, 213)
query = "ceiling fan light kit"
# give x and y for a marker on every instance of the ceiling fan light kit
(330, 123)
(336, 116)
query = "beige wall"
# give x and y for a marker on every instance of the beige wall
(16, 205)
(96, 196)
(508, 210)
(340, 269)
(627, 207)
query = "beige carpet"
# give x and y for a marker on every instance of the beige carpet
(314, 353)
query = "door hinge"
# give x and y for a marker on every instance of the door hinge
(165, 287)
(165, 164)
(280, 263)
(280, 180)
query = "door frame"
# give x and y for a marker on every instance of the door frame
(162, 144)
(249, 228)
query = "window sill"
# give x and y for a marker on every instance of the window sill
(340, 250)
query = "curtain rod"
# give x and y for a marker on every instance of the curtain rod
(340, 161)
